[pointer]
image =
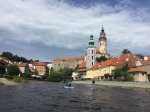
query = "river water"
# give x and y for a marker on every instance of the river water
(41, 96)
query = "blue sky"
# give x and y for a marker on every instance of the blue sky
(48, 29)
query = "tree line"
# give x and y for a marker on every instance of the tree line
(16, 58)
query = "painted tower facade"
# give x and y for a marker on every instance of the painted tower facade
(102, 42)
(90, 58)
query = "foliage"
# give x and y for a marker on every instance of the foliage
(13, 70)
(18, 79)
(121, 72)
(8, 77)
(140, 56)
(129, 78)
(2, 70)
(126, 51)
(101, 58)
(61, 75)
(27, 75)
(117, 73)
(76, 68)
(16, 58)
(55, 76)
(125, 67)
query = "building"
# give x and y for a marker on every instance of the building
(24, 68)
(41, 68)
(82, 70)
(102, 48)
(139, 74)
(61, 63)
(91, 51)
(104, 69)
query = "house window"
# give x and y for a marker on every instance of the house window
(92, 57)
(142, 74)
(92, 63)
(92, 51)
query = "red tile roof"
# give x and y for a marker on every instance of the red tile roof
(145, 62)
(22, 64)
(137, 69)
(69, 59)
(83, 65)
(110, 62)
(39, 64)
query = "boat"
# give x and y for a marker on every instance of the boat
(69, 87)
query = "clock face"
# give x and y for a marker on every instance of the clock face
(102, 43)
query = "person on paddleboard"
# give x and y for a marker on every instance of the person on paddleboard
(93, 83)
(69, 83)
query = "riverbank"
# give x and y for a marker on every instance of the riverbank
(131, 85)
(4, 81)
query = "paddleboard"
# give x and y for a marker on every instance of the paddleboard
(69, 87)
(93, 88)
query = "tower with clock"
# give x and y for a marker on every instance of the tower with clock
(102, 42)
(90, 57)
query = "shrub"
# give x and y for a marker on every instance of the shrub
(61, 75)
(27, 75)
(55, 77)
(8, 77)
(13, 70)
(129, 78)
(18, 79)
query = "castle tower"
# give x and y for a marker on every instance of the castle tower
(90, 59)
(103, 42)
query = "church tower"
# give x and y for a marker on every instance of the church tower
(90, 58)
(102, 43)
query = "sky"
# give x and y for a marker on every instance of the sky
(48, 29)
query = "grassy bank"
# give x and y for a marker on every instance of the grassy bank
(144, 86)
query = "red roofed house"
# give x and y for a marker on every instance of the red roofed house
(61, 63)
(139, 74)
(24, 68)
(82, 70)
(41, 68)
(104, 69)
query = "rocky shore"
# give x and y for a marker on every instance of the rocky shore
(140, 85)
(4, 81)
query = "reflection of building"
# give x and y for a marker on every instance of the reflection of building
(61, 63)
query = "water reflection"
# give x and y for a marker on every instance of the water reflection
(52, 97)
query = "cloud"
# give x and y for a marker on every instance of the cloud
(59, 24)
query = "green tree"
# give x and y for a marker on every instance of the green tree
(13, 70)
(101, 58)
(129, 78)
(125, 67)
(61, 75)
(76, 68)
(140, 56)
(117, 73)
(2, 70)
(126, 51)
(55, 76)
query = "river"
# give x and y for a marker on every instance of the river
(38, 96)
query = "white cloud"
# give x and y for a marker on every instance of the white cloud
(56, 23)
